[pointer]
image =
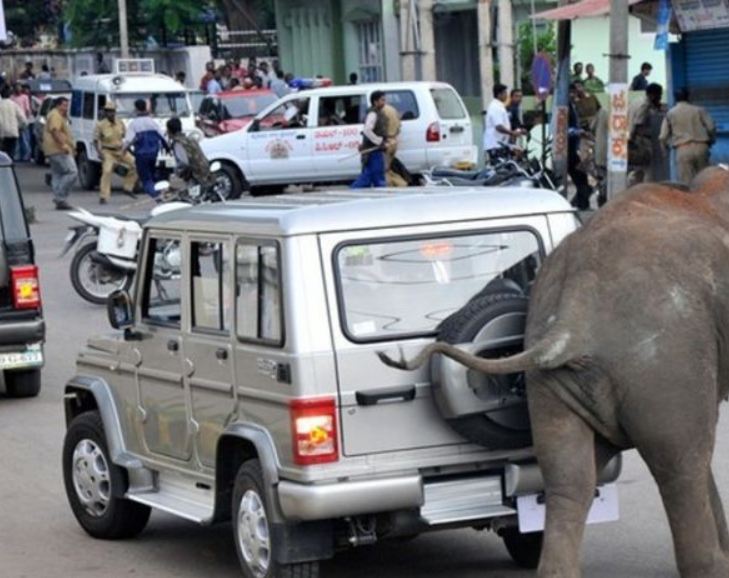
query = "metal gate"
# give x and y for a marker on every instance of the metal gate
(701, 64)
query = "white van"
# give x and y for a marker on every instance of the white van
(313, 136)
(165, 98)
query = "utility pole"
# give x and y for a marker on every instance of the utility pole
(506, 44)
(427, 38)
(485, 54)
(123, 29)
(560, 108)
(618, 143)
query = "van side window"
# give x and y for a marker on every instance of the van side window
(77, 99)
(101, 101)
(210, 274)
(448, 104)
(161, 299)
(405, 103)
(89, 105)
(342, 110)
(259, 313)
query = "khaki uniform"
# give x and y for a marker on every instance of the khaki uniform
(109, 138)
(691, 131)
(56, 121)
(392, 132)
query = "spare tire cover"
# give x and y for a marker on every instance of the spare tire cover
(489, 410)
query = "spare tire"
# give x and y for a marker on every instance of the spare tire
(489, 410)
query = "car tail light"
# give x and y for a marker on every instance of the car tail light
(433, 133)
(25, 287)
(314, 431)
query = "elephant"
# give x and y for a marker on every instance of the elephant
(627, 346)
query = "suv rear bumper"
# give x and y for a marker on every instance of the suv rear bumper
(336, 500)
(22, 332)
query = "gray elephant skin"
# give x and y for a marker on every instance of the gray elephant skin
(627, 346)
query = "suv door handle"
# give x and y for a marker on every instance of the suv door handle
(375, 396)
(221, 354)
(173, 345)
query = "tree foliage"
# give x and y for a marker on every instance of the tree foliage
(29, 17)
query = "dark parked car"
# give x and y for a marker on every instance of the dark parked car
(22, 329)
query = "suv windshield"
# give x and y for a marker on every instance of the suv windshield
(160, 105)
(400, 288)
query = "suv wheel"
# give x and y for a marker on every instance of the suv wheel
(524, 549)
(254, 541)
(93, 483)
(229, 183)
(507, 425)
(25, 383)
(89, 172)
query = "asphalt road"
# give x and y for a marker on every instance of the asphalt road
(40, 538)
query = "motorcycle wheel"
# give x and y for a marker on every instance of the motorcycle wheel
(93, 281)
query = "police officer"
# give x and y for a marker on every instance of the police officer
(192, 165)
(109, 142)
(374, 143)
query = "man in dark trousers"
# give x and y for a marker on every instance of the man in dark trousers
(146, 138)
(578, 176)
(374, 143)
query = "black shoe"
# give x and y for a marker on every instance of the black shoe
(63, 206)
(102, 201)
(48, 179)
(131, 194)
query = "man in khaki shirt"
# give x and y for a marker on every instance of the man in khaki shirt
(691, 131)
(392, 132)
(109, 141)
(59, 148)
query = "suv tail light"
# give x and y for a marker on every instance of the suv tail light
(25, 287)
(433, 133)
(314, 431)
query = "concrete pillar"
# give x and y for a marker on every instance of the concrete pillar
(485, 56)
(407, 39)
(427, 39)
(506, 44)
(617, 172)
(390, 39)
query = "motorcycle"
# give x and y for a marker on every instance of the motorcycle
(106, 256)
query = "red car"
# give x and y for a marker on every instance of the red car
(232, 110)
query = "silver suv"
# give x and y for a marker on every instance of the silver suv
(246, 385)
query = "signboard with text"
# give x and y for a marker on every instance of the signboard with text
(701, 14)
(619, 128)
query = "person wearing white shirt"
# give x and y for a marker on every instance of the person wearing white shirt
(498, 125)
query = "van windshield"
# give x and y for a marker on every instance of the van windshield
(407, 287)
(160, 105)
(448, 104)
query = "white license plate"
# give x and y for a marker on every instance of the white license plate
(31, 357)
(604, 509)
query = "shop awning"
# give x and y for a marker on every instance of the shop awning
(581, 9)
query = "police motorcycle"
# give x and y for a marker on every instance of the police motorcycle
(105, 258)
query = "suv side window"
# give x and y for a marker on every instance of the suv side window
(210, 274)
(259, 311)
(342, 110)
(89, 102)
(161, 299)
(293, 114)
(405, 103)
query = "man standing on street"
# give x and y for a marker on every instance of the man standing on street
(192, 164)
(644, 128)
(691, 131)
(59, 149)
(392, 132)
(593, 84)
(12, 121)
(498, 132)
(145, 136)
(574, 135)
(516, 119)
(576, 72)
(22, 99)
(109, 142)
(374, 142)
(640, 81)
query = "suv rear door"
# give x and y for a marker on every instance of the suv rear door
(392, 291)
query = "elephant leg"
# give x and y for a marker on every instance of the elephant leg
(565, 447)
(719, 515)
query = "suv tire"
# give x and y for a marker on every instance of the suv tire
(89, 172)
(23, 383)
(524, 549)
(254, 542)
(232, 183)
(499, 429)
(93, 483)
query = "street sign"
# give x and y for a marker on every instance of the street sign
(542, 75)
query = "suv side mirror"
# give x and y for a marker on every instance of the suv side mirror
(120, 309)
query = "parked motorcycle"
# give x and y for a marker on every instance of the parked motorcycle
(106, 256)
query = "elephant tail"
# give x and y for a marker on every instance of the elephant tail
(552, 351)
